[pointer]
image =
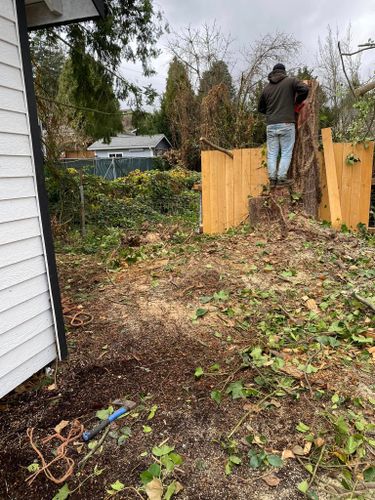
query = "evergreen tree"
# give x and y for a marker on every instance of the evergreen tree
(179, 115)
(95, 110)
(217, 74)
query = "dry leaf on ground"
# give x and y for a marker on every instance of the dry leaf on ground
(307, 447)
(312, 306)
(271, 480)
(298, 450)
(154, 489)
(59, 427)
(287, 454)
(319, 442)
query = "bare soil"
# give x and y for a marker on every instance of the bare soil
(143, 345)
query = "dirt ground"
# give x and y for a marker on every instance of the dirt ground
(144, 344)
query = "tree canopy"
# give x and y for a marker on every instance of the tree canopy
(77, 68)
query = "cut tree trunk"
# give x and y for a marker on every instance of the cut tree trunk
(305, 169)
(271, 207)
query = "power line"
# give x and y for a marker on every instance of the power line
(82, 108)
(120, 77)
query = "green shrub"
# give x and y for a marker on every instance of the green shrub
(125, 203)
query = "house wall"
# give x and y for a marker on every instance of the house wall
(162, 147)
(126, 153)
(27, 322)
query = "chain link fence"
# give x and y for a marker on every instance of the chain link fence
(113, 168)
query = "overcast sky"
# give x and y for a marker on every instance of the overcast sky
(247, 20)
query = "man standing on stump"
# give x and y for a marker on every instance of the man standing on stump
(279, 99)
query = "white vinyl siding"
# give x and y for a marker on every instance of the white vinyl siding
(27, 327)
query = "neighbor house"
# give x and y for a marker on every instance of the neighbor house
(31, 321)
(131, 146)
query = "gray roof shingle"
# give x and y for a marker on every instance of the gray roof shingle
(129, 142)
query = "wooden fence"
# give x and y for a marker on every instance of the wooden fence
(352, 204)
(228, 183)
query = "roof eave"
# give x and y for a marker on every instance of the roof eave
(99, 14)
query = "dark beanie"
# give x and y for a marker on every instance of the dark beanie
(279, 66)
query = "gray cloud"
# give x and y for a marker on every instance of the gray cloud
(247, 20)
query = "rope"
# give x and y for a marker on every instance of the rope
(78, 318)
(60, 453)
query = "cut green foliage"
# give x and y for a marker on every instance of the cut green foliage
(147, 429)
(199, 313)
(369, 474)
(216, 396)
(34, 467)
(116, 487)
(160, 451)
(236, 389)
(149, 474)
(275, 460)
(198, 372)
(104, 414)
(222, 295)
(121, 435)
(155, 479)
(232, 461)
(303, 486)
(152, 413)
(63, 493)
(301, 427)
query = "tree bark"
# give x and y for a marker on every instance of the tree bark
(363, 89)
(305, 168)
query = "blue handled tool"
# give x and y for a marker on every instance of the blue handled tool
(128, 405)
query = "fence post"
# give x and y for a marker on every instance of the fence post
(82, 206)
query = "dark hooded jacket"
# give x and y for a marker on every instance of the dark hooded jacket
(280, 96)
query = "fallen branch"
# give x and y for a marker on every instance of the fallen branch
(317, 466)
(248, 413)
(82, 463)
(364, 301)
(215, 146)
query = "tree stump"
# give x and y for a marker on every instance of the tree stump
(271, 207)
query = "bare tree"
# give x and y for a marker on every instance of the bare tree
(366, 87)
(335, 84)
(259, 57)
(199, 48)
(330, 69)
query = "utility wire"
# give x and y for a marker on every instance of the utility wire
(120, 77)
(82, 108)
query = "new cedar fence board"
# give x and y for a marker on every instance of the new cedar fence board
(228, 183)
(331, 179)
(354, 184)
(226, 186)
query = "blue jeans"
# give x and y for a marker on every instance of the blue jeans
(280, 135)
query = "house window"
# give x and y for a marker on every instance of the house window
(115, 155)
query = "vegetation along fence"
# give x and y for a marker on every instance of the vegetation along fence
(113, 168)
(227, 184)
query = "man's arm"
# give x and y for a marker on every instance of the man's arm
(301, 91)
(262, 105)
